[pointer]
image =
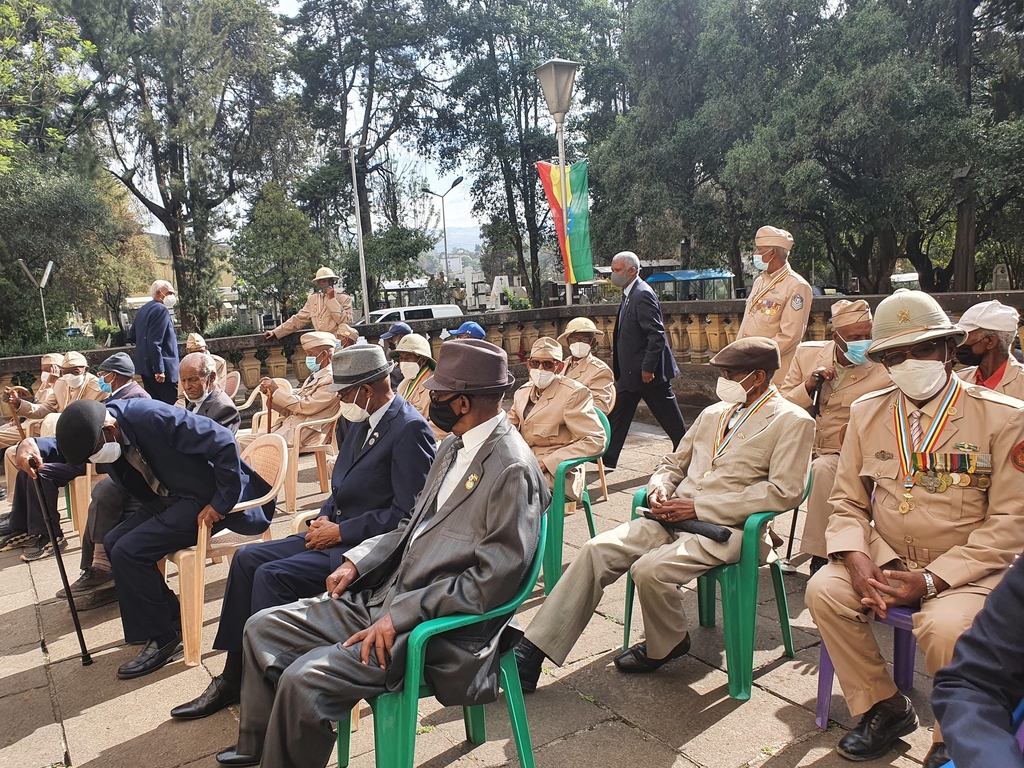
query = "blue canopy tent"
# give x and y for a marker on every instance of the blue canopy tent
(693, 285)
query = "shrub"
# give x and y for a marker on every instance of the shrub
(222, 328)
(57, 344)
(101, 331)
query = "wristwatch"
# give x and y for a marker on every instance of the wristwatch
(929, 584)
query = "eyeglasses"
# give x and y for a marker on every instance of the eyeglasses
(922, 351)
(547, 365)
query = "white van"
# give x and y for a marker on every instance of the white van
(405, 314)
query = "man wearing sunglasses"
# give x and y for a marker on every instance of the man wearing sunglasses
(927, 512)
(556, 417)
(832, 374)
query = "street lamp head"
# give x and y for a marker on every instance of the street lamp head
(455, 183)
(429, 191)
(557, 77)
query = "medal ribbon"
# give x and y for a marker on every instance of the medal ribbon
(931, 437)
(424, 372)
(775, 281)
(720, 443)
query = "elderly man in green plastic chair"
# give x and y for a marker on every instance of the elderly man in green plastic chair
(750, 453)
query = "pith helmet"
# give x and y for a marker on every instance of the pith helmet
(909, 317)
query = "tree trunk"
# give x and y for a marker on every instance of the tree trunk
(963, 250)
(736, 264)
(886, 257)
(964, 35)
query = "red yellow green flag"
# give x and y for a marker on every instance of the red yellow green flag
(576, 256)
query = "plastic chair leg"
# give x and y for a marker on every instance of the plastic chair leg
(476, 724)
(706, 600)
(345, 740)
(67, 500)
(553, 550)
(587, 507)
(738, 616)
(783, 605)
(628, 614)
(321, 471)
(192, 582)
(394, 730)
(825, 674)
(604, 481)
(903, 657)
(516, 709)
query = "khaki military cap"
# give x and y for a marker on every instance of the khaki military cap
(546, 348)
(315, 339)
(415, 343)
(73, 360)
(909, 317)
(51, 358)
(850, 312)
(774, 237)
(194, 341)
(347, 332)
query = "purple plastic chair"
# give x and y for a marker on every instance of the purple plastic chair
(901, 619)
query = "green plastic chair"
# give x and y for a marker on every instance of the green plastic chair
(739, 600)
(556, 532)
(394, 714)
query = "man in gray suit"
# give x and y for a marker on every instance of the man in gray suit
(749, 453)
(465, 548)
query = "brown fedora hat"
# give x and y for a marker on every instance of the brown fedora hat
(471, 366)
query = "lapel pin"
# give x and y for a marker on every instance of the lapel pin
(471, 482)
(373, 438)
(967, 447)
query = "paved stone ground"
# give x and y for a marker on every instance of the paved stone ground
(54, 712)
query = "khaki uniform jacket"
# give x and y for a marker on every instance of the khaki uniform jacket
(562, 424)
(325, 314)
(1011, 384)
(419, 399)
(781, 315)
(595, 375)
(58, 397)
(222, 376)
(834, 404)
(963, 535)
(309, 402)
(763, 468)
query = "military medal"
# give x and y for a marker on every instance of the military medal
(922, 467)
(883, 455)
(471, 482)
(721, 439)
(967, 447)
(755, 300)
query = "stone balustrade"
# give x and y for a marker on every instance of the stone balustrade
(696, 331)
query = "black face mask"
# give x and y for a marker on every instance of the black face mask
(965, 356)
(442, 415)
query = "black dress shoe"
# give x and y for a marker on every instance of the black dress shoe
(937, 756)
(529, 658)
(231, 757)
(635, 658)
(151, 658)
(218, 694)
(877, 730)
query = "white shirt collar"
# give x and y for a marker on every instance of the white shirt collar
(377, 415)
(475, 437)
(629, 288)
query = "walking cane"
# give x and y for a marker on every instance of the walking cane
(270, 411)
(38, 483)
(814, 409)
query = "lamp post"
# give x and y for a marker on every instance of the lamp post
(40, 285)
(352, 147)
(557, 77)
(444, 225)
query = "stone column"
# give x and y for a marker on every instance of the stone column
(277, 363)
(298, 359)
(717, 332)
(697, 331)
(250, 368)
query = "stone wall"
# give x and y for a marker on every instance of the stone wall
(696, 331)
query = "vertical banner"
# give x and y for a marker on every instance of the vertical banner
(575, 245)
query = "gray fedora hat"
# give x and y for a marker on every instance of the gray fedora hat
(471, 366)
(358, 364)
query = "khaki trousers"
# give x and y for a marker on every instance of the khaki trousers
(661, 563)
(812, 542)
(846, 631)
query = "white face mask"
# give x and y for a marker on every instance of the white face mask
(354, 413)
(198, 402)
(409, 370)
(542, 379)
(74, 380)
(44, 377)
(919, 379)
(759, 264)
(730, 391)
(108, 454)
(170, 300)
(579, 349)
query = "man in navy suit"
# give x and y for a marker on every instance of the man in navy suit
(641, 360)
(975, 697)
(184, 470)
(156, 345)
(382, 465)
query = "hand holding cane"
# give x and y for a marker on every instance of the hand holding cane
(38, 483)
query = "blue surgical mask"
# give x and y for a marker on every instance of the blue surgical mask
(105, 386)
(312, 364)
(856, 351)
(759, 263)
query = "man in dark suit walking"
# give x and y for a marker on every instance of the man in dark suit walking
(465, 548)
(156, 345)
(641, 360)
(381, 467)
(184, 470)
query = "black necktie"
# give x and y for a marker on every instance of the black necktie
(364, 430)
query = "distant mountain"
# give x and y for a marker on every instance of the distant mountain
(460, 237)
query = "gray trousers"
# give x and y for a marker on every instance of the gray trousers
(298, 680)
(109, 507)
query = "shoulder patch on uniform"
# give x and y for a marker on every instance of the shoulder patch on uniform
(873, 395)
(797, 302)
(984, 393)
(1017, 456)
